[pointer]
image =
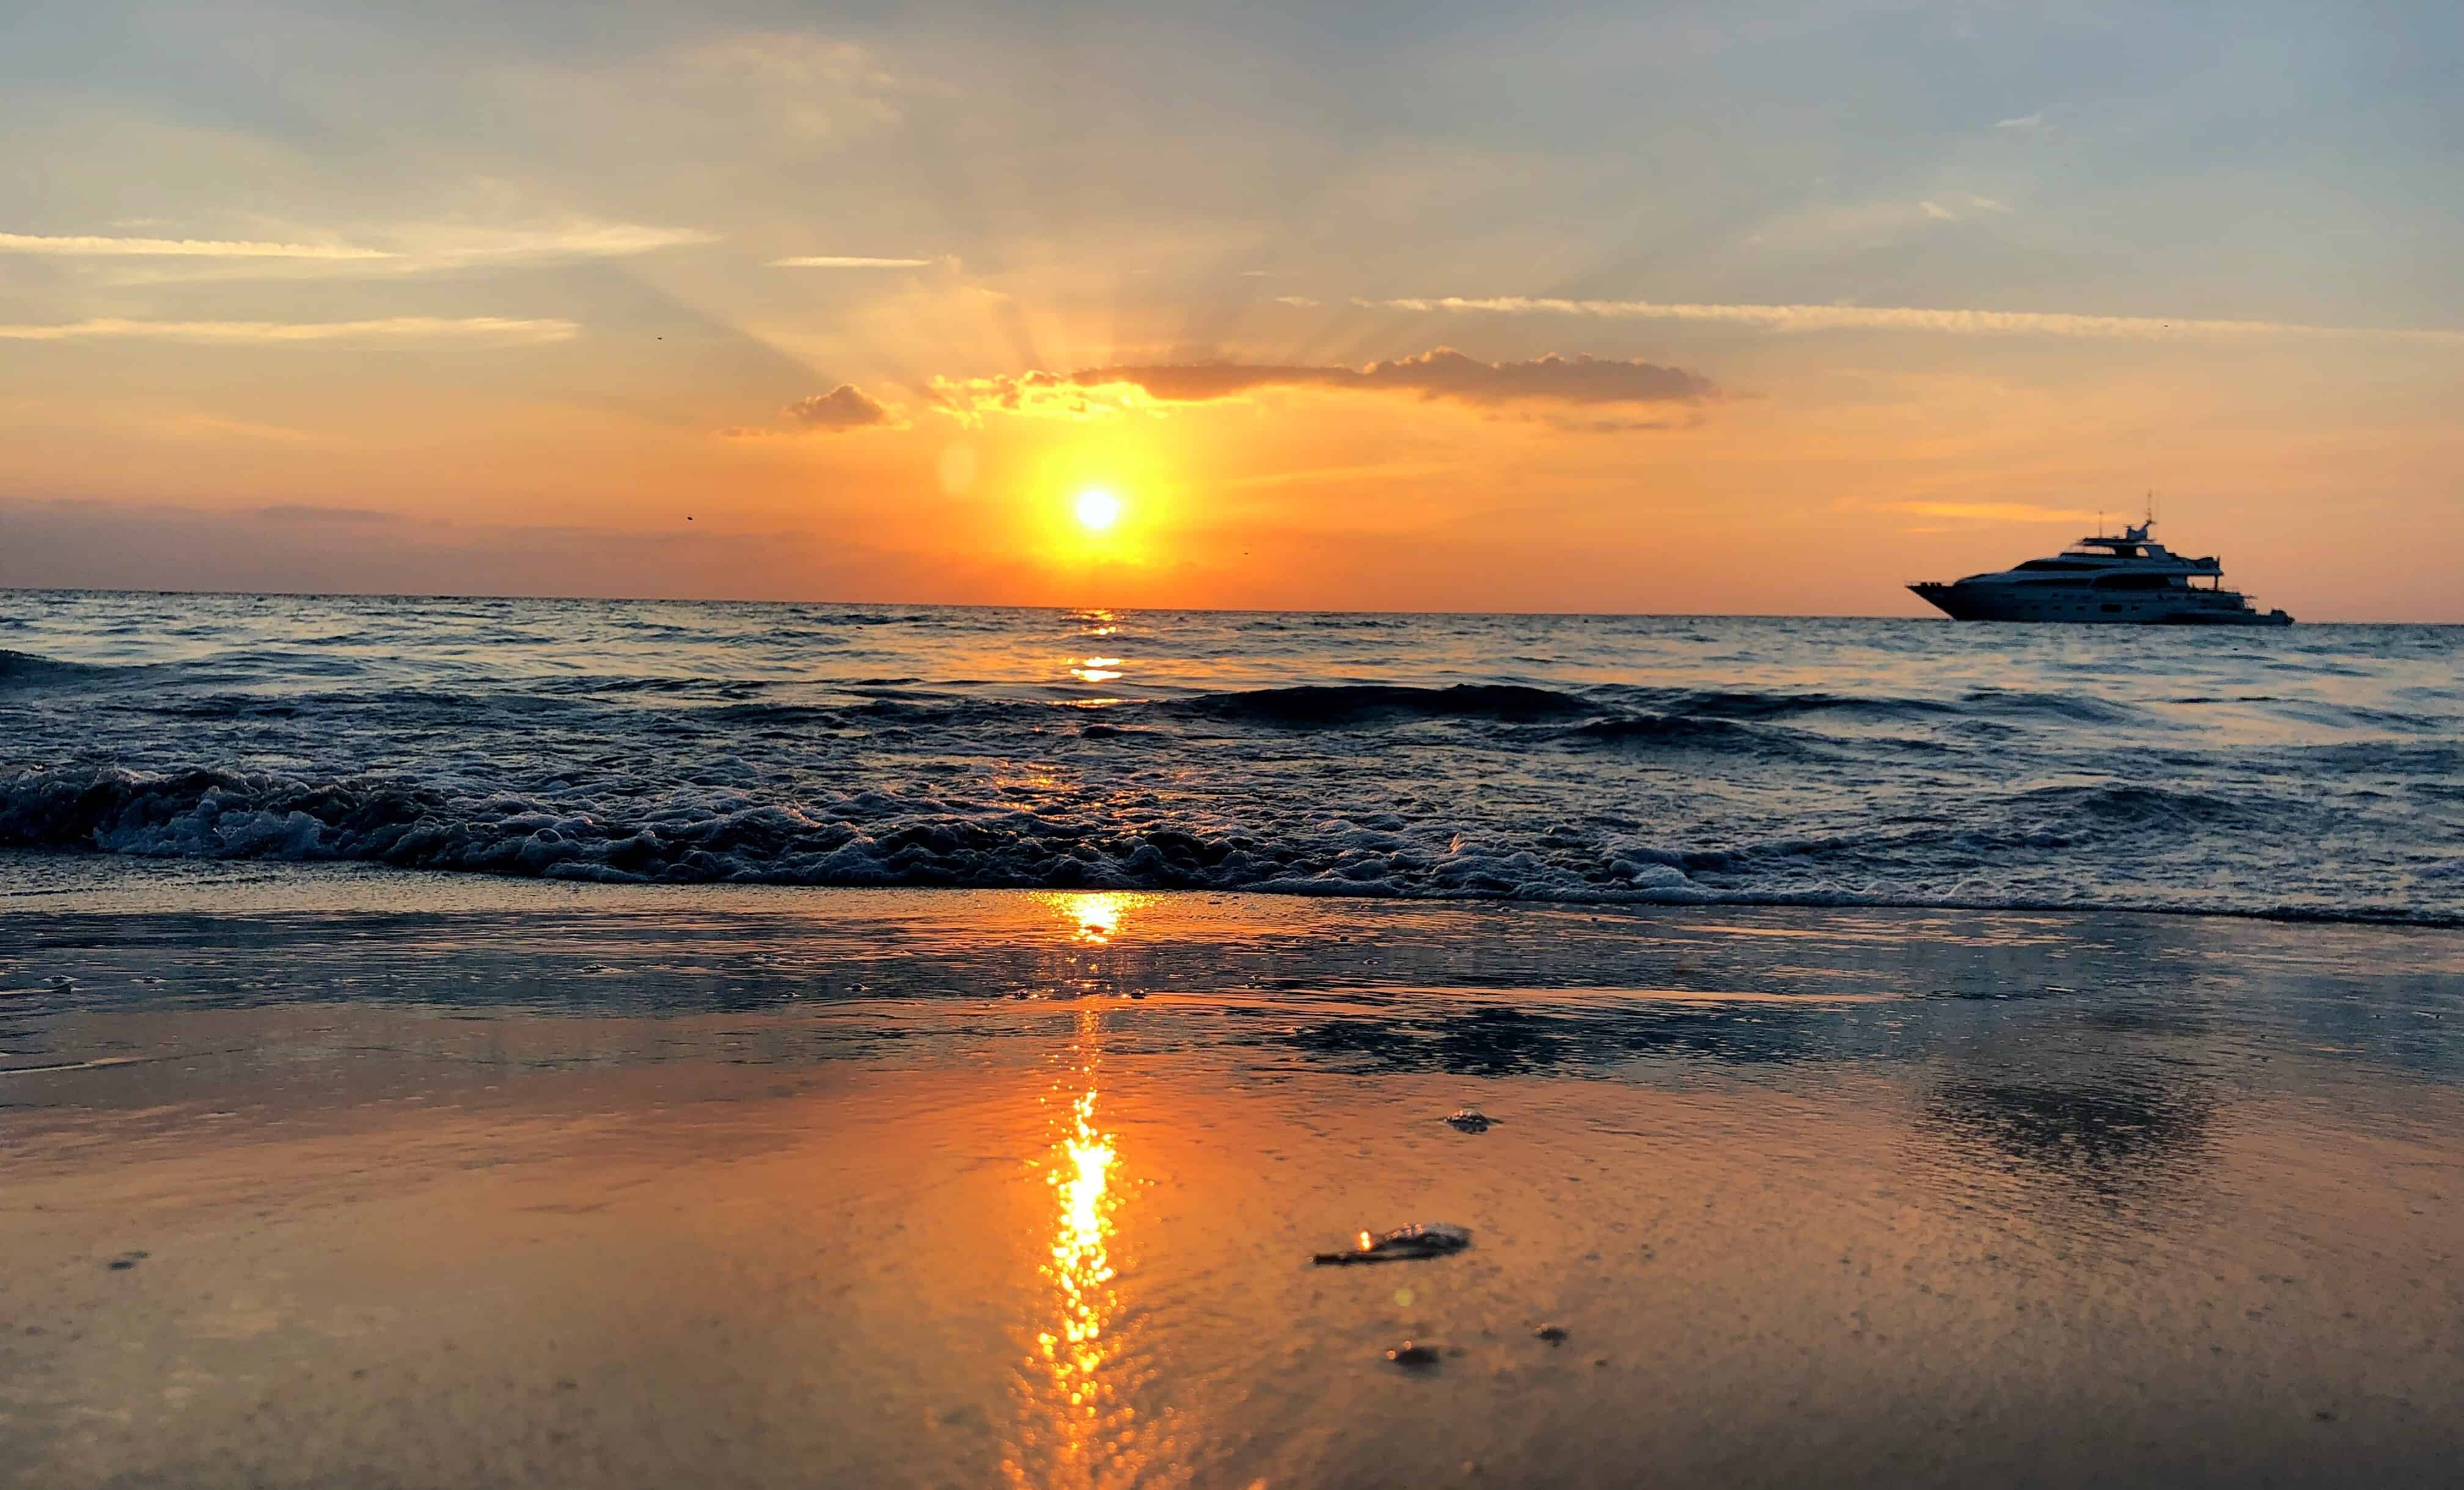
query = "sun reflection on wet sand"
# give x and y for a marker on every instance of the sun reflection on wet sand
(1095, 916)
(1076, 1428)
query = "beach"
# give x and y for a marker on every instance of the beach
(1142, 746)
(328, 1175)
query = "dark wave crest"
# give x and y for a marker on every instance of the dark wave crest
(25, 669)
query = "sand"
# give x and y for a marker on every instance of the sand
(439, 1182)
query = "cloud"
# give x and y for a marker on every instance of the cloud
(846, 406)
(2036, 120)
(850, 261)
(448, 244)
(87, 244)
(1042, 395)
(396, 249)
(1301, 302)
(1872, 318)
(397, 328)
(1442, 373)
(1584, 423)
(1952, 209)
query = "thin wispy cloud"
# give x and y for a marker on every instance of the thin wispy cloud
(2036, 120)
(1952, 209)
(850, 261)
(1903, 318)
(395, 328)
(1297, 301)
(86, 245)
(460, 243)
(397, 248)
(1441, 373)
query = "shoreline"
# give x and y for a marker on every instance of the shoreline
(33, 881)
(313, 1182)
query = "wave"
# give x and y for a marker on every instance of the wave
(25, 669)
(2136, 806)
(1731, 704)
(874, 838)
(2061, 707)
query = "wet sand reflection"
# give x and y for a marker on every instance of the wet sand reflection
(1076, 1424)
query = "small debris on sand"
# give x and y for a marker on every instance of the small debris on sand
(1555, 1334)
(1420, 1239)
(1465, 1120)
(124, 1261)
(1413, 1355)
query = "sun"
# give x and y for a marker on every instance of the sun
(1098, 508)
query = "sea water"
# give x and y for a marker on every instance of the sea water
(2315, 772)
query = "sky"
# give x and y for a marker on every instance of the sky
(1741, 307)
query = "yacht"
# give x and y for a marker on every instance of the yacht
(2128, 581)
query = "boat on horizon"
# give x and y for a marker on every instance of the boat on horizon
(2129, 579)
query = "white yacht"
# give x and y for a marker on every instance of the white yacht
(2129, 580)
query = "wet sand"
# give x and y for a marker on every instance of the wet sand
(423, 1182)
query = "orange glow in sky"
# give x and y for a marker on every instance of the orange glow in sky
(1552, 348)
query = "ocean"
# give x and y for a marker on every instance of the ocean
(2313, 773)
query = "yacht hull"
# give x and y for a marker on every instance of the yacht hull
(1967, 601)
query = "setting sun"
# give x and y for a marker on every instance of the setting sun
(1098, 508)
